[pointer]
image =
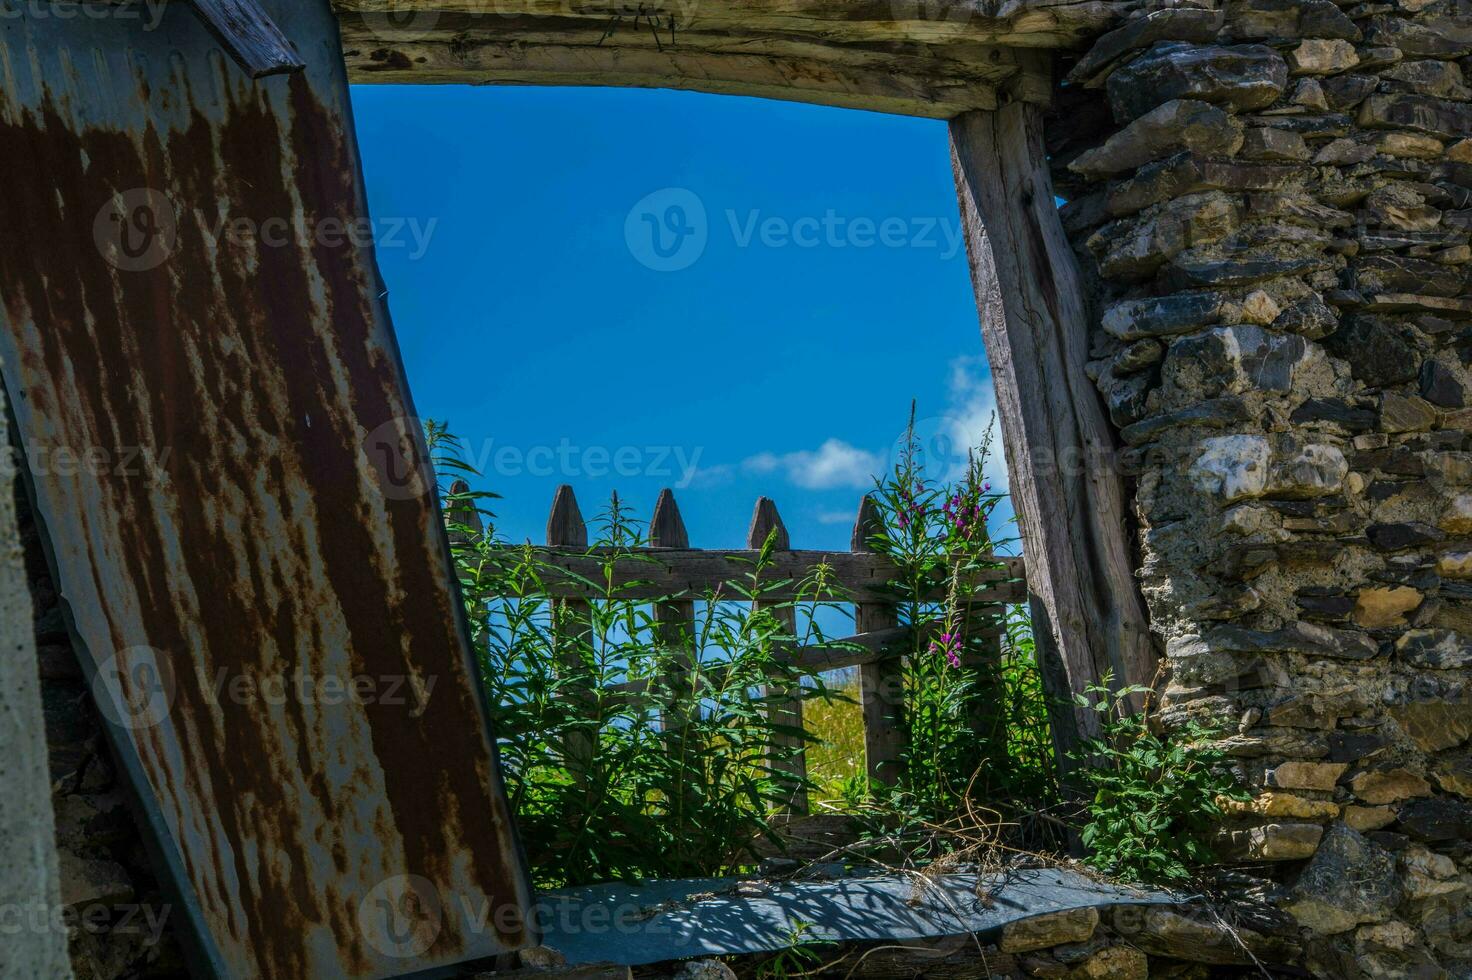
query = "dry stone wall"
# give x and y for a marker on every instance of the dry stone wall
(1274, 201)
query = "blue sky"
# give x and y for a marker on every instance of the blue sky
(625, 289)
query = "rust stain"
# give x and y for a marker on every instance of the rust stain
(259, 547)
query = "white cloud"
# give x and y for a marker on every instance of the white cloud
(834, 464)
(971, 410)
(837, 517)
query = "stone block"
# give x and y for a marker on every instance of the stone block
(1379, 786)
(1319, 56)
(1171, 24)
(1349, 881)
(1180, 124)
(1385, 608)
(1245, 77)
(1055, 929)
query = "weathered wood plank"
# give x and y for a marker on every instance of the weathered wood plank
(463, 512)
(881, 682)
(938, 74)
(674, 619)
(572, 629)
(1018, 24)
(674, 571)
(250, 36)
(790, 757)
(1070, 498)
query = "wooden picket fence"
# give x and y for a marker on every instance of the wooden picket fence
(672, 575)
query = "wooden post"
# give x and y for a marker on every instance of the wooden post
(787, 712)
(1070, 498)
(674, 619)
(881, 684)
(571, 631)
(463, 512)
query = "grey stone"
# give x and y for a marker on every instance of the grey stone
(1438, 79)
(1405, 413)
(1174, 24)
(1317, 56)
(1311, 318)
(1445, 36)
(1347, 91)
(1440, 386)
(1180, 124)
(1288, 18)
(1310, 639)
(1437, 819)
(1264, 143)
(1402, 274)
(1187, 173)
(1160, 316)
(1234, 359)
(1216, 413)
(1245, 77)
(1232, 468)
(1137, 356)
(1297, 208)
(1337, 411)
(1399, 537)
(1438, 649)
(1349, 881)
(1376, 352)
(1127, 399)
(1194, 269)
(1418, 113)
(1309, 93)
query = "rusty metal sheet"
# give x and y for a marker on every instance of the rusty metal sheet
(219, 440)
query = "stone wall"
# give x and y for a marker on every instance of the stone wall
(1274, 199)
(35, 941)
(117, 922)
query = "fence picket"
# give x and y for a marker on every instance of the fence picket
(786, 712)
(463, 512)
(572, 630)
(881, 684)
(674, 619)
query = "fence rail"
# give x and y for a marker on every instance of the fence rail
(672, 576)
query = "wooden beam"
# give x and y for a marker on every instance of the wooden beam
(666, 572)
(896, 75)
(1070, 496)
(1038, 24)
(250, 36)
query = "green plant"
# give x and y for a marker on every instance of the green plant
(800, 957)
(974, 706)
(632, 749)
(1154, 795)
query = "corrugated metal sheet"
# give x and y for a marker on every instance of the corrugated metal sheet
(220, 442)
